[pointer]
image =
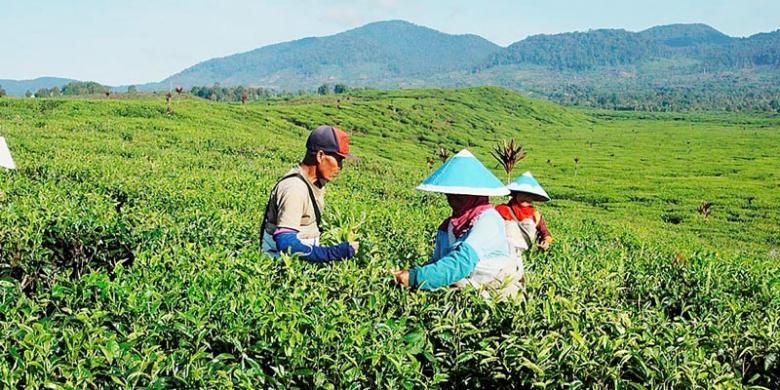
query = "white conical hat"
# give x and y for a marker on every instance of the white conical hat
(463, 174)
(5, 156)
(528, 184)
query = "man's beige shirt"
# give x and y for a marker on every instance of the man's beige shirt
(291, 207)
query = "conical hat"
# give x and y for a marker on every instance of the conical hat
(5, 156)
(463, 174)
(528, 184)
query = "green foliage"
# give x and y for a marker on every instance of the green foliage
(129, 253)
(324, 89)
(83, 88)
(578, 50)
(594, 48)
(233, 94)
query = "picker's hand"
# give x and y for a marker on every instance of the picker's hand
(355, 246)
(545, 244)
(402, 277)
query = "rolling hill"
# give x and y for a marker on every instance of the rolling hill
(368, 55)
(129, 251)
(19, 87)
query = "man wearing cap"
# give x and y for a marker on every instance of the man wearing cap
(292, 219)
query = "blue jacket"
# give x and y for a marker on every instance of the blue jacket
(456, 258)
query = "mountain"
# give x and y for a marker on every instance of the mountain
(577, 50)
(19, 87)
(685, 35)
(699, 43)
(382, 53)
(394, 54)
(671, 67)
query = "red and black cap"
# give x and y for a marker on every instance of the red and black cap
(331, 140)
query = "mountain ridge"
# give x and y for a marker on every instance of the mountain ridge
(369, 50)
(591, 67)
(19, 87)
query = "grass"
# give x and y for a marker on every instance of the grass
(129, 247)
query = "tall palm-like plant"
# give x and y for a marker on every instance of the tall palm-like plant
(443, 154)
(508, 153)
(705, 209)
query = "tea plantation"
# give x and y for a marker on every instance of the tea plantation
(129, 247)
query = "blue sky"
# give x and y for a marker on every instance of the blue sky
(132, 42)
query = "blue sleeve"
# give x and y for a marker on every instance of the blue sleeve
(441, 246)
(454, 266)
(289, 242)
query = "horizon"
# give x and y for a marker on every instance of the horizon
(88, 51)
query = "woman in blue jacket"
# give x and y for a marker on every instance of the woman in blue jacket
(471, 245)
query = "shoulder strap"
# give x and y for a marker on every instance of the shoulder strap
(520, 226)
(317, 214)
(314, 204)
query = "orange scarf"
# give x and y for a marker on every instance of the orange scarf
(522, 210)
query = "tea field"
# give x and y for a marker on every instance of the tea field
(129, 247)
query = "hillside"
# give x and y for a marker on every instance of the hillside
(678, 67)
(707, 47)
(129, 256)
(685, 35)
(396, 53)
(366, 55)
(19, 87)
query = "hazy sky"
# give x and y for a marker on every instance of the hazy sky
(133, 42)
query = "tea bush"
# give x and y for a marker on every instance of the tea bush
(129, 248)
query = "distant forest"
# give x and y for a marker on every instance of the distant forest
(580, 51)
(679, 99)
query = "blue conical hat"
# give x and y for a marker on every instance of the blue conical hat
(5, 156)
(463, 174)
(528, 184)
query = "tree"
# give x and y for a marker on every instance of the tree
(43, 92)
(340, 88)
(508, 153)
(55, 91)
(775, 104)
(83, 88)
(2, 91)
(28, 93)
(132, 89)
(442, 153)
(324, 89)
